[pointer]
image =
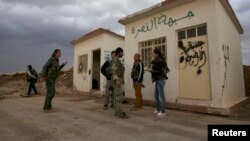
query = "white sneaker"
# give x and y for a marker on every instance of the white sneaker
(160, 114)
(156, 112)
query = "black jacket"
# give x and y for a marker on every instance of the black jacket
(139, 68)
(158, 67)
(104, 70)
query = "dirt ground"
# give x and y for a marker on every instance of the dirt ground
(80, 117)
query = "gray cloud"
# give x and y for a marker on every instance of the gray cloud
(32, 29)
(240, 6)
(40, 3)
(242, 11)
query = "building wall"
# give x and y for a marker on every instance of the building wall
(204, 12)
(231, 75)
(83, 81)
(110, 43)
(106, 43)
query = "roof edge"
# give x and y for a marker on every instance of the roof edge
(163, 6)
(169, 4)
(95, 33)
(227, 6)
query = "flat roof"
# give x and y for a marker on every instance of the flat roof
(169, 4)
(95, 33)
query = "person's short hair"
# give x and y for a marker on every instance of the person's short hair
(138, 54)
(113, 52)
(29, 67)
(118, 50)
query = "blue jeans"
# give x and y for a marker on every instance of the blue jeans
(160, 96)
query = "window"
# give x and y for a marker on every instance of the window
(192, 32)
(83, 63)
(202, 30)
(148, 46)
(181, 35)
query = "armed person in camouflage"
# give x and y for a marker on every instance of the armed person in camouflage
(50, 72)
(105, 70)
(117, 72)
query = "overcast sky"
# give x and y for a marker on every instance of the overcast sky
(31, 29)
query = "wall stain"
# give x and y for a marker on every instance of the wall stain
(226, 58)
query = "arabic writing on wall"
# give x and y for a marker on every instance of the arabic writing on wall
(156, 21)
(193, 55)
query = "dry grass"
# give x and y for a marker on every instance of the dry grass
(16, 85)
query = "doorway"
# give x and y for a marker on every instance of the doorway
(194, 63)
(96, 70)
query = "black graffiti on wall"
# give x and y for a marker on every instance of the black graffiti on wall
(193, 55)
(226, 58)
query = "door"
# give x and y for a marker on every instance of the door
(194, 74)
(83, 73)
(96, 70)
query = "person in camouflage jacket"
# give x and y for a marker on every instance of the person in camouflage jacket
(50, 73)
(117, 72)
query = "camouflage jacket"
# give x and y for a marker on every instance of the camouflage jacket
(52, 68)
(117, 70)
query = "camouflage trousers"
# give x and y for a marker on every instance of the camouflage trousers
(109, 92)
(51, 90)
(118, 99)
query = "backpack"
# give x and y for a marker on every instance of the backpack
(106, 69)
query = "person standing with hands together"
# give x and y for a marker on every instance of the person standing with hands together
(50, 73)
(159, 76)
(137, 76)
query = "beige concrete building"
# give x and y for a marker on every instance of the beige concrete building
(90, 52)
(200, 40)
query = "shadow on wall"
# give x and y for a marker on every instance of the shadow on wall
(247, 79)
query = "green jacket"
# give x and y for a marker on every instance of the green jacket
(117, 70)
(52, 68)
